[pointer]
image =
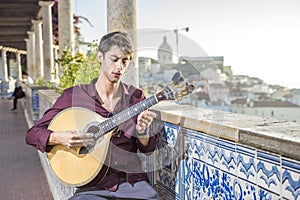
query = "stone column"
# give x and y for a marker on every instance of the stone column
(121, 15)
(31, 56)
(1, 65)
(4, 65)
(56, 70)
(65, 25)
(28, 56)
(39, 63)
(19, 67)
(48, 40)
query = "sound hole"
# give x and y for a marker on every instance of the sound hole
(89, 148)
(93, 129)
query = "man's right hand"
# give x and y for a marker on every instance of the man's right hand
(71, 139)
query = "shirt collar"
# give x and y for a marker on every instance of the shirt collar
(91, 89)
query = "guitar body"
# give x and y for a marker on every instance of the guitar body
(67, 164)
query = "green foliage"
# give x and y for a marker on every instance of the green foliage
(40, 81)
(77, 69)
(69, 67)
(90, 68)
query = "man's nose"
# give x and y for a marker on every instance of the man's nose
(120, 64)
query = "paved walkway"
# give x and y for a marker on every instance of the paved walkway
(21, 174)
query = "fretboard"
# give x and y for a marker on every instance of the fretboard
(125, 115)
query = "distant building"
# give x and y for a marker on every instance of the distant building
(218, 94)
(188, 69)
(208, 68)
(168, 74)
(164, 53)
(282, 110)
(144, 65)
(227, 70)
(215, 62)
(211, 75)
(295, 96)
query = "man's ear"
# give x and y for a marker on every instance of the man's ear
(100, 57)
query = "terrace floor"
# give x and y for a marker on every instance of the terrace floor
(21, 173)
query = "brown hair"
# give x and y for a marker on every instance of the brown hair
(117, 38)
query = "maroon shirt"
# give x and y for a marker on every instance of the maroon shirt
(123, 158)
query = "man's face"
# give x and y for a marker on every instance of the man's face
(113, 63)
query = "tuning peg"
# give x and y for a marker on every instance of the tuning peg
(177, 77)
(179, 85)
(179, 98)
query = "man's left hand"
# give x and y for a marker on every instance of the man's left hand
(144, 120)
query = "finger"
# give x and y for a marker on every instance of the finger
(147, 120)
(153, 115)
(146, 117)
(150, 115)
(87, 136)
(77, 135)
(144, 122)
(88, 142)
(80, 143)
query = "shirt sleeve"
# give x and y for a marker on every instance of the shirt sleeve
(150, 147)
(38, 135)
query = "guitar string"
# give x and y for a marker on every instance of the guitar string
(125, 115)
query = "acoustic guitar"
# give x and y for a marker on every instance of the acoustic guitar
(77, 167)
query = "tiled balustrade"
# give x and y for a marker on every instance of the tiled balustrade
(215, 160)
(208, 154)
(31, 102)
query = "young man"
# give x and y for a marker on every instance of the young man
(123, 178)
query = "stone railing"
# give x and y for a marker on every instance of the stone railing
(59, 190)
(31, 103)
(209, 154)
(219, 155)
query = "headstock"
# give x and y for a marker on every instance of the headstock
(176, 90)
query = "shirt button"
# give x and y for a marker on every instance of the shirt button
(116, 163)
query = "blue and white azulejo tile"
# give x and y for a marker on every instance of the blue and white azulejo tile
(171, 131)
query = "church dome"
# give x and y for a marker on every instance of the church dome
(165, 52)
(165, 46)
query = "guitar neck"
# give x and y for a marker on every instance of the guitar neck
(125, 115)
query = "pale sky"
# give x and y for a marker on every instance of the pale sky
(259, 38)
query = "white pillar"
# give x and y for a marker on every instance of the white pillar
(4, 65)
(1, 69)
(121, 16)
(39, 64)
(48, 40)
(19, 67)
(56, 70)
(31, 52)
(28, 56)
(65, 25)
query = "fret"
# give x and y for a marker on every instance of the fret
(125, 115)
